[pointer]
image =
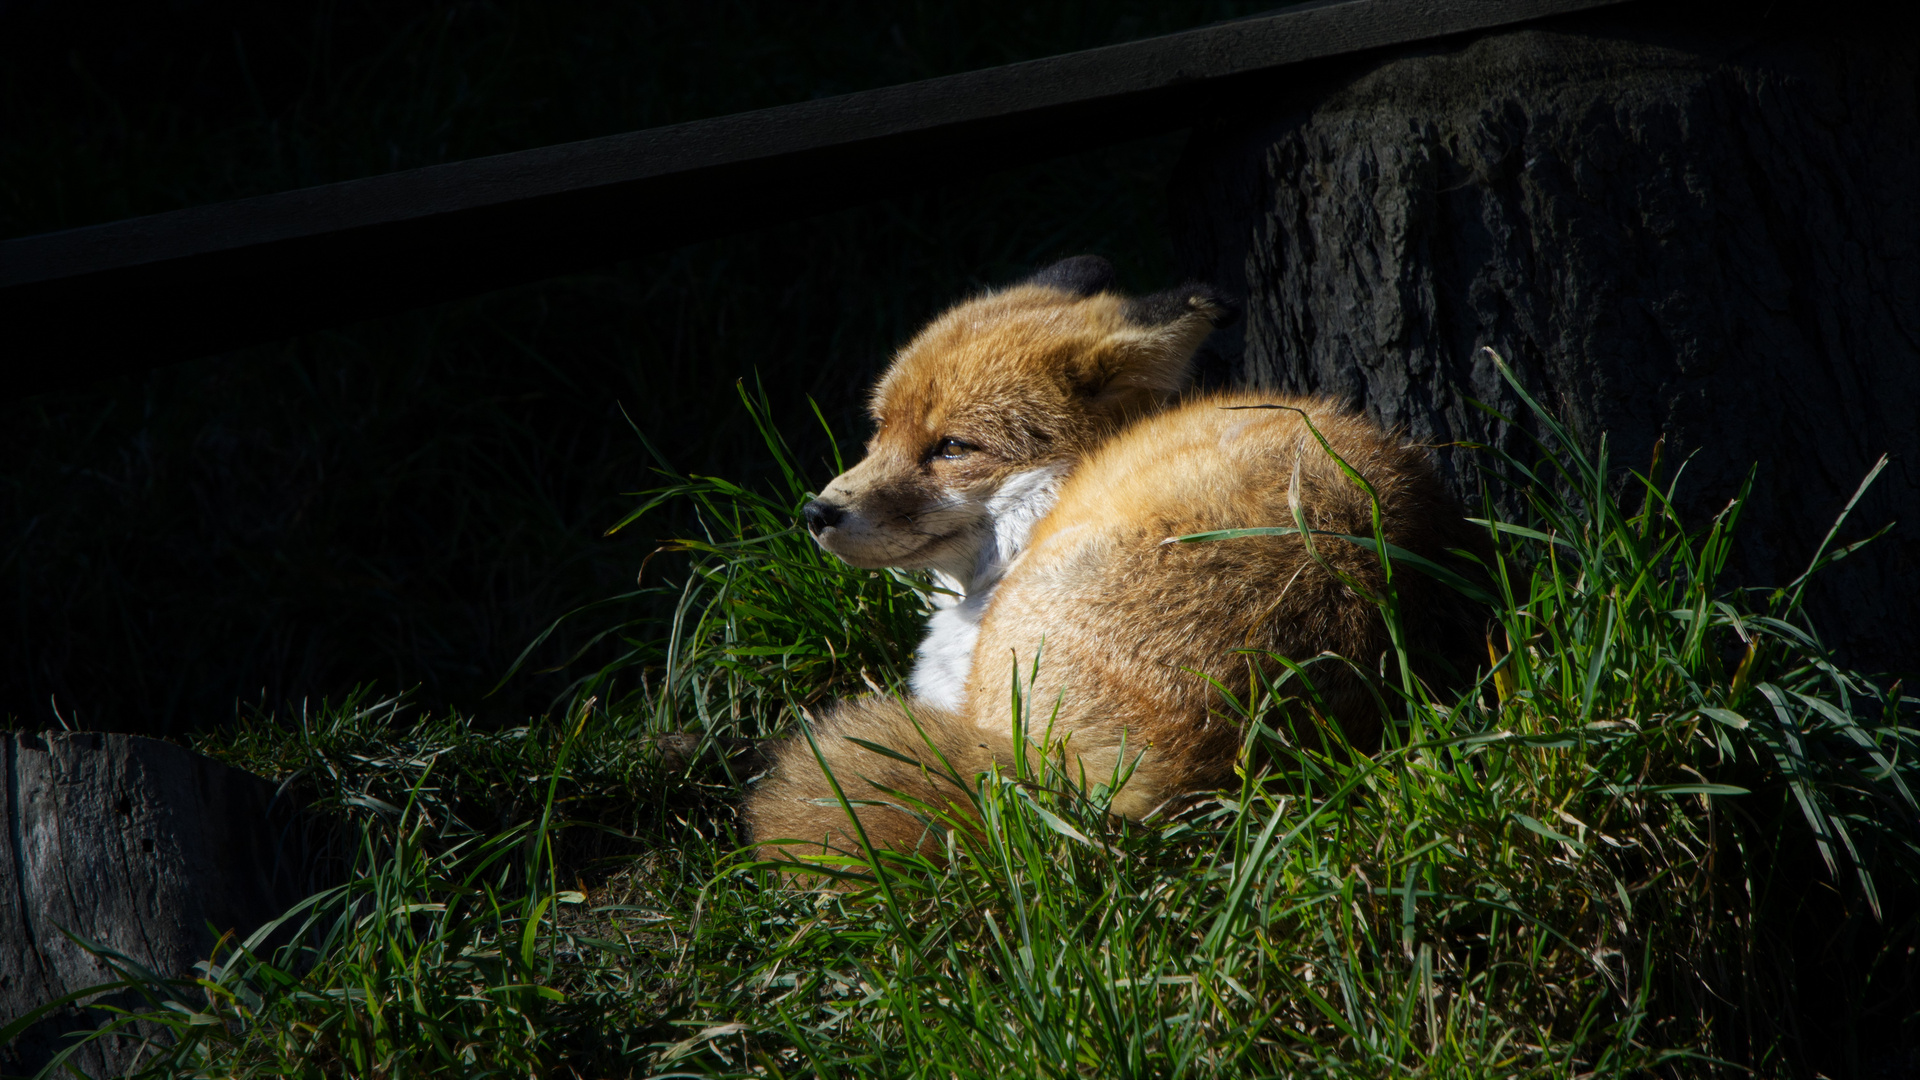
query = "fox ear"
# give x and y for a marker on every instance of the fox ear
(1168, 327)
(1150, 357)
(1082, 275)
(1190, 301)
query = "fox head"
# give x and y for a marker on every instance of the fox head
(983, 413)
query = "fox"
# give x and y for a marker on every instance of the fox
(1039, 452)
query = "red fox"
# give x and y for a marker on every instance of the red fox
(1033, 451)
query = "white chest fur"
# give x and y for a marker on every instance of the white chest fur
(945, 658)
(946, 654)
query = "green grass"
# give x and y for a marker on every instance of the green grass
(762, 619)
(1664, 836)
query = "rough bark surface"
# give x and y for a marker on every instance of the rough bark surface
(1706, 235)
(137, 845)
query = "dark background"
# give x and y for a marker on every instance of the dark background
(407, 502)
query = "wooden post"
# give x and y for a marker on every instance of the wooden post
(136, 844)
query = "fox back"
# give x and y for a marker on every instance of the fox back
(1123, 636)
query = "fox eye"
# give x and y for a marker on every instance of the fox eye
(951, 449)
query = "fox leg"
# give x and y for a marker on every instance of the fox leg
(892, 799)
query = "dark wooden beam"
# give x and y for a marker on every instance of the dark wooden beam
(88, 303)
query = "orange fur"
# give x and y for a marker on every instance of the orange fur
(795, 802)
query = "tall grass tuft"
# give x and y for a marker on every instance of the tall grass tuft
(760, 617)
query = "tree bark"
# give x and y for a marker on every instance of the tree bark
(136, 844)
(1699, 233)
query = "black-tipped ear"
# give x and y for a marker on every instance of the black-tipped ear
(1082, 275)
(1188, 300)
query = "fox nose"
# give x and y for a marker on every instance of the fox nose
(821, 516)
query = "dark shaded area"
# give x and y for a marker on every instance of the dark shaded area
(138, 846)
(211, 278)
(1669, 229)
(115, 109)
(410, 501)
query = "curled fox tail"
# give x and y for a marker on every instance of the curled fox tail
(906, 770)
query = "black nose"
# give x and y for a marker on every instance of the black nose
(821, 515)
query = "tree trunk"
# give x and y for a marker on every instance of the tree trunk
(140, 846)
(1697, 233)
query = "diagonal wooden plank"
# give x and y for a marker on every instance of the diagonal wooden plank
(86, 303)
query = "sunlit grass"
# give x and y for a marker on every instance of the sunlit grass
(1604, 859)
